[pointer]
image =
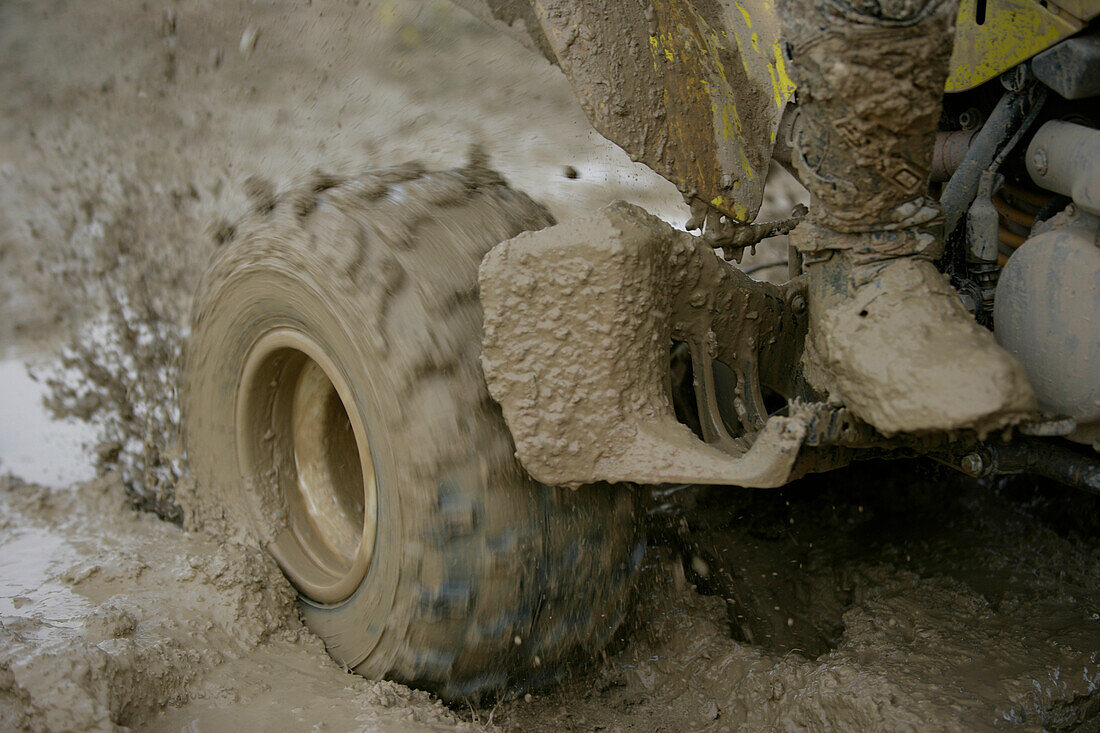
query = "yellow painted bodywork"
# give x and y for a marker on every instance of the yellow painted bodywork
(697, 90)
(1011, 31)
(688, 50)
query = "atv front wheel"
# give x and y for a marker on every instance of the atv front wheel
(335, 412)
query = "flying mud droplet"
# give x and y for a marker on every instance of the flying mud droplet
(248, 40)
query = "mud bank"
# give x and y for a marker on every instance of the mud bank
(110, 617)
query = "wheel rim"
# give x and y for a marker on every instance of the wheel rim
(301, 440)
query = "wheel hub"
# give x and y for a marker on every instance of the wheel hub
(299, 431)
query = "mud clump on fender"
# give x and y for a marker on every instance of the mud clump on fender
(579, 319)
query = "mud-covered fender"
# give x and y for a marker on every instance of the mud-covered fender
(694, 90)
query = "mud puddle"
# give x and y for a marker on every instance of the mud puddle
(28, 557)
(32, 444)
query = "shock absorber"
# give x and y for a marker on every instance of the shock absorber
(982, 243)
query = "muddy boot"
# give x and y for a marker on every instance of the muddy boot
(889, 337)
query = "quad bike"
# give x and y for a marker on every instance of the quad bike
(457, 503)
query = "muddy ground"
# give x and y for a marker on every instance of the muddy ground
(879, 597)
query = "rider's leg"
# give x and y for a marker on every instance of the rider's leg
(889, 336)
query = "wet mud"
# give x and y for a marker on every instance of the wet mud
(876, 597)
(872, 598)
(111, 617)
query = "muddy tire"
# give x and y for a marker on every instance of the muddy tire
(335, 412)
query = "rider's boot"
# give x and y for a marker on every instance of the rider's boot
(889, 337)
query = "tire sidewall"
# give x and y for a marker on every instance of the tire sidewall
(470, 554)
(253, 299)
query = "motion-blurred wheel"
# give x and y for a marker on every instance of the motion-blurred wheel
(335, 412)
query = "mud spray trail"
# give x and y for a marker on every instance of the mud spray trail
(875, 598)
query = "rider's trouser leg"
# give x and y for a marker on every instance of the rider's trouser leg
(889, 336)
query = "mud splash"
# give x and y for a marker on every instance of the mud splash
(110, 617)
